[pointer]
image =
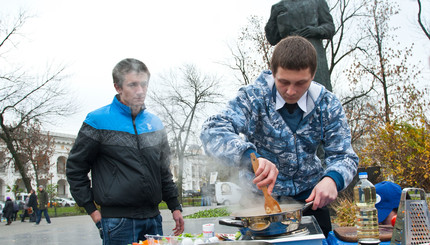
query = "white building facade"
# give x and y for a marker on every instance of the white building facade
(10, 176)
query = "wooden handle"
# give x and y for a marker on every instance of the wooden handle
(255, 165)
(254, 161)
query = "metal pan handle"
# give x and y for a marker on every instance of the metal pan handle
(231, 222)
(307, 206)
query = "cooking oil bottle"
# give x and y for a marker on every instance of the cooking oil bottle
(367, 214)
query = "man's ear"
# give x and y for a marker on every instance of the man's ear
(117, 88)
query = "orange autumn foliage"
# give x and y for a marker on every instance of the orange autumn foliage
(403, 152)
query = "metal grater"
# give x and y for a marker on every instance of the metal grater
(413, 219)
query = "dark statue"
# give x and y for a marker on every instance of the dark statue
(307, 18)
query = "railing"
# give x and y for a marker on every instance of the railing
(191, 201)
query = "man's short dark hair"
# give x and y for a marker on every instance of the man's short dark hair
(126, 66)
(294, 53)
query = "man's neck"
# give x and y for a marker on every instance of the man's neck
(135, 110)
(290, 107)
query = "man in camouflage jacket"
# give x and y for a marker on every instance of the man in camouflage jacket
(283, 117)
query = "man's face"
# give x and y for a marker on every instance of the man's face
(292, 84)
(133, 90)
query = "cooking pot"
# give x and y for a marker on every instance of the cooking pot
(259, 223)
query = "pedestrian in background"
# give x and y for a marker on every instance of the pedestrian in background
(25, 214)
(206, 196)
(43, 205)
(15, 210)
(30, 207)
(387, 201)
(8, 210)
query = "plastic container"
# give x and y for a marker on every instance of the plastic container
(367, 214)
(162, 240)
(208, 231)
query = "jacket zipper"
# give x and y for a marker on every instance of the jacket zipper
(138, 148)
(297, 161)
(135, 133)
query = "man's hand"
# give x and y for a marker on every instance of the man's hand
(266, 174)
(179, 220)
(308, 32)
(323, 193)
(96, 216)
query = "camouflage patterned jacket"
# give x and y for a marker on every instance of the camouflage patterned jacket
(251, 121)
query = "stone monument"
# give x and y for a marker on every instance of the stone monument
(307, 18)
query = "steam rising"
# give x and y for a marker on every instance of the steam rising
(251, 203)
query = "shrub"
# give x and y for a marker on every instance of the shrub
(345, 211)
(403, 152)
(80, 210)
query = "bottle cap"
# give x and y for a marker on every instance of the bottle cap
(362, 175)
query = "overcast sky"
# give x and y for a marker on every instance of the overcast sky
(90, 37)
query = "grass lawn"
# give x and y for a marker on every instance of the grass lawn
(71, 211)
(64, 211)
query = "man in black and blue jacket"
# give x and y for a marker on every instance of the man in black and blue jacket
(126, 150)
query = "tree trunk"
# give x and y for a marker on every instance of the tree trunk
(19, 164)
(180, 175)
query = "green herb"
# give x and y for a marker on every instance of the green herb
(209, 213)
(237, 235)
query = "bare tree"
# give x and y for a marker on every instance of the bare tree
(386, 70)
(25, 99)
(346, 15)
(182, 97)
(3, 158)
(252, 52)
(240, 64)
(37, 148)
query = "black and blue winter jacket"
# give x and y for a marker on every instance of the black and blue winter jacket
(128, 160)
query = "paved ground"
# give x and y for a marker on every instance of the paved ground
(81, 230)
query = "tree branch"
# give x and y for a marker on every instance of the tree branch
(423, 28)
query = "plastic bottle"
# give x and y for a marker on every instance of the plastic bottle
(367, 214)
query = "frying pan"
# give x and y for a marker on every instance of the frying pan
(259, 223)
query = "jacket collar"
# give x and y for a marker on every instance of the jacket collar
(280, 102)
(124, 108)
(313, 95)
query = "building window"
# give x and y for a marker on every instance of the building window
(61, 188)
(61, 165)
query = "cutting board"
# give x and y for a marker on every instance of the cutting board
(349, 234)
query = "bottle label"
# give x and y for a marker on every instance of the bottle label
(208, 231)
